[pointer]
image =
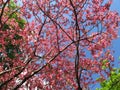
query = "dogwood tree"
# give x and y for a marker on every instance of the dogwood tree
(55, 44)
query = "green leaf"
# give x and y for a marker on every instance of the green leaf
(103, 84)
(1, 59)
(21, 23)
(12, 5)
(104, 67)
(11, 55)
(113, 72)
(17, 37)
(9, 47)
(0, 45)
(108, 84)
(10, 50)
(14, 15)
(104, 61)
(5, 27)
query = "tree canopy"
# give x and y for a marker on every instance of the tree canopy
(57, 44)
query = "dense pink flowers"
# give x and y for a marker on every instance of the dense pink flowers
(60, 40)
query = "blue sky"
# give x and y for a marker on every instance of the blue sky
(116, 5)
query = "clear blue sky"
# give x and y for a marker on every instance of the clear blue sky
(116, 5)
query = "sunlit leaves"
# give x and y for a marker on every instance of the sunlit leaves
(21, 23)
(113, 83)
(15, 14)
(12, 5)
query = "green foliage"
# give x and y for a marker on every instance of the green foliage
(7, 39)
(1, 59)
(113, 83)
(17, 37)
(12, 5)
(14, 8)
(5, 27)
(0, 45)
(14, 15)
(12, 50)
(104, 64)
(21, 23)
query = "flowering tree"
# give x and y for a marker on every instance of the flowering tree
(55, 44)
